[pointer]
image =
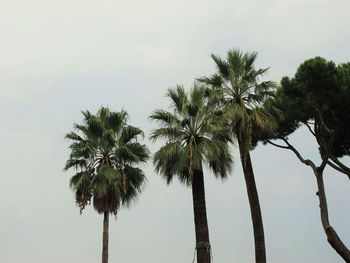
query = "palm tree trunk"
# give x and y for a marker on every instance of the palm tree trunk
(259, 238)
(200, 218)
(105, 237)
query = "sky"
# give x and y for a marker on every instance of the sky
(60, 57)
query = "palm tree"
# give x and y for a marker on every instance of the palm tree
(242, 97)
(104, 152)
(193, 137)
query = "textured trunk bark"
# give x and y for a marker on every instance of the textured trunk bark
(332, 236)
(200, 218)
(259, 238)
(105, 237)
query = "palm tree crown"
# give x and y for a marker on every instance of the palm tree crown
(242, 95)
(193, 135)
(104, 152)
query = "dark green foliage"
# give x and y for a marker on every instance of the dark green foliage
(104, 152)
(319, 89)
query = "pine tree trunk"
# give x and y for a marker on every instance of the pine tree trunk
(259, 238)
(105, 237)
(332, 236)
(200, 218)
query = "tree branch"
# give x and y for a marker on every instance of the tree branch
(334, 166)
(310, 129)
(277, 145)
(340, 164)
(322, 127)
(305, 161)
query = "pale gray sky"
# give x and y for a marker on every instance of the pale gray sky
(60, 57)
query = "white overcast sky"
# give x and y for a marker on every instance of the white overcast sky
(60, 57)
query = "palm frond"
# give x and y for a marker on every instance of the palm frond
(235, 62)
(168, 133)
(132, 153)
(165, 118)
(134, 180)
(178, 97)
(249, 60)
(129, 133)
(76, 163)
(214, 80)
(222, 66)
(116, 120)
(74, 136)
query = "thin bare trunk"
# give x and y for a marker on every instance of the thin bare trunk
(105, 237)
(332, 236)
(200, 218)
(259, 238)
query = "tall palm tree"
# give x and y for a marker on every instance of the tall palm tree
(242, 97)
(193, 137)
(104, 154)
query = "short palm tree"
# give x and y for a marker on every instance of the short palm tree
(104, 154)
(193, 137)
(242, 98)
